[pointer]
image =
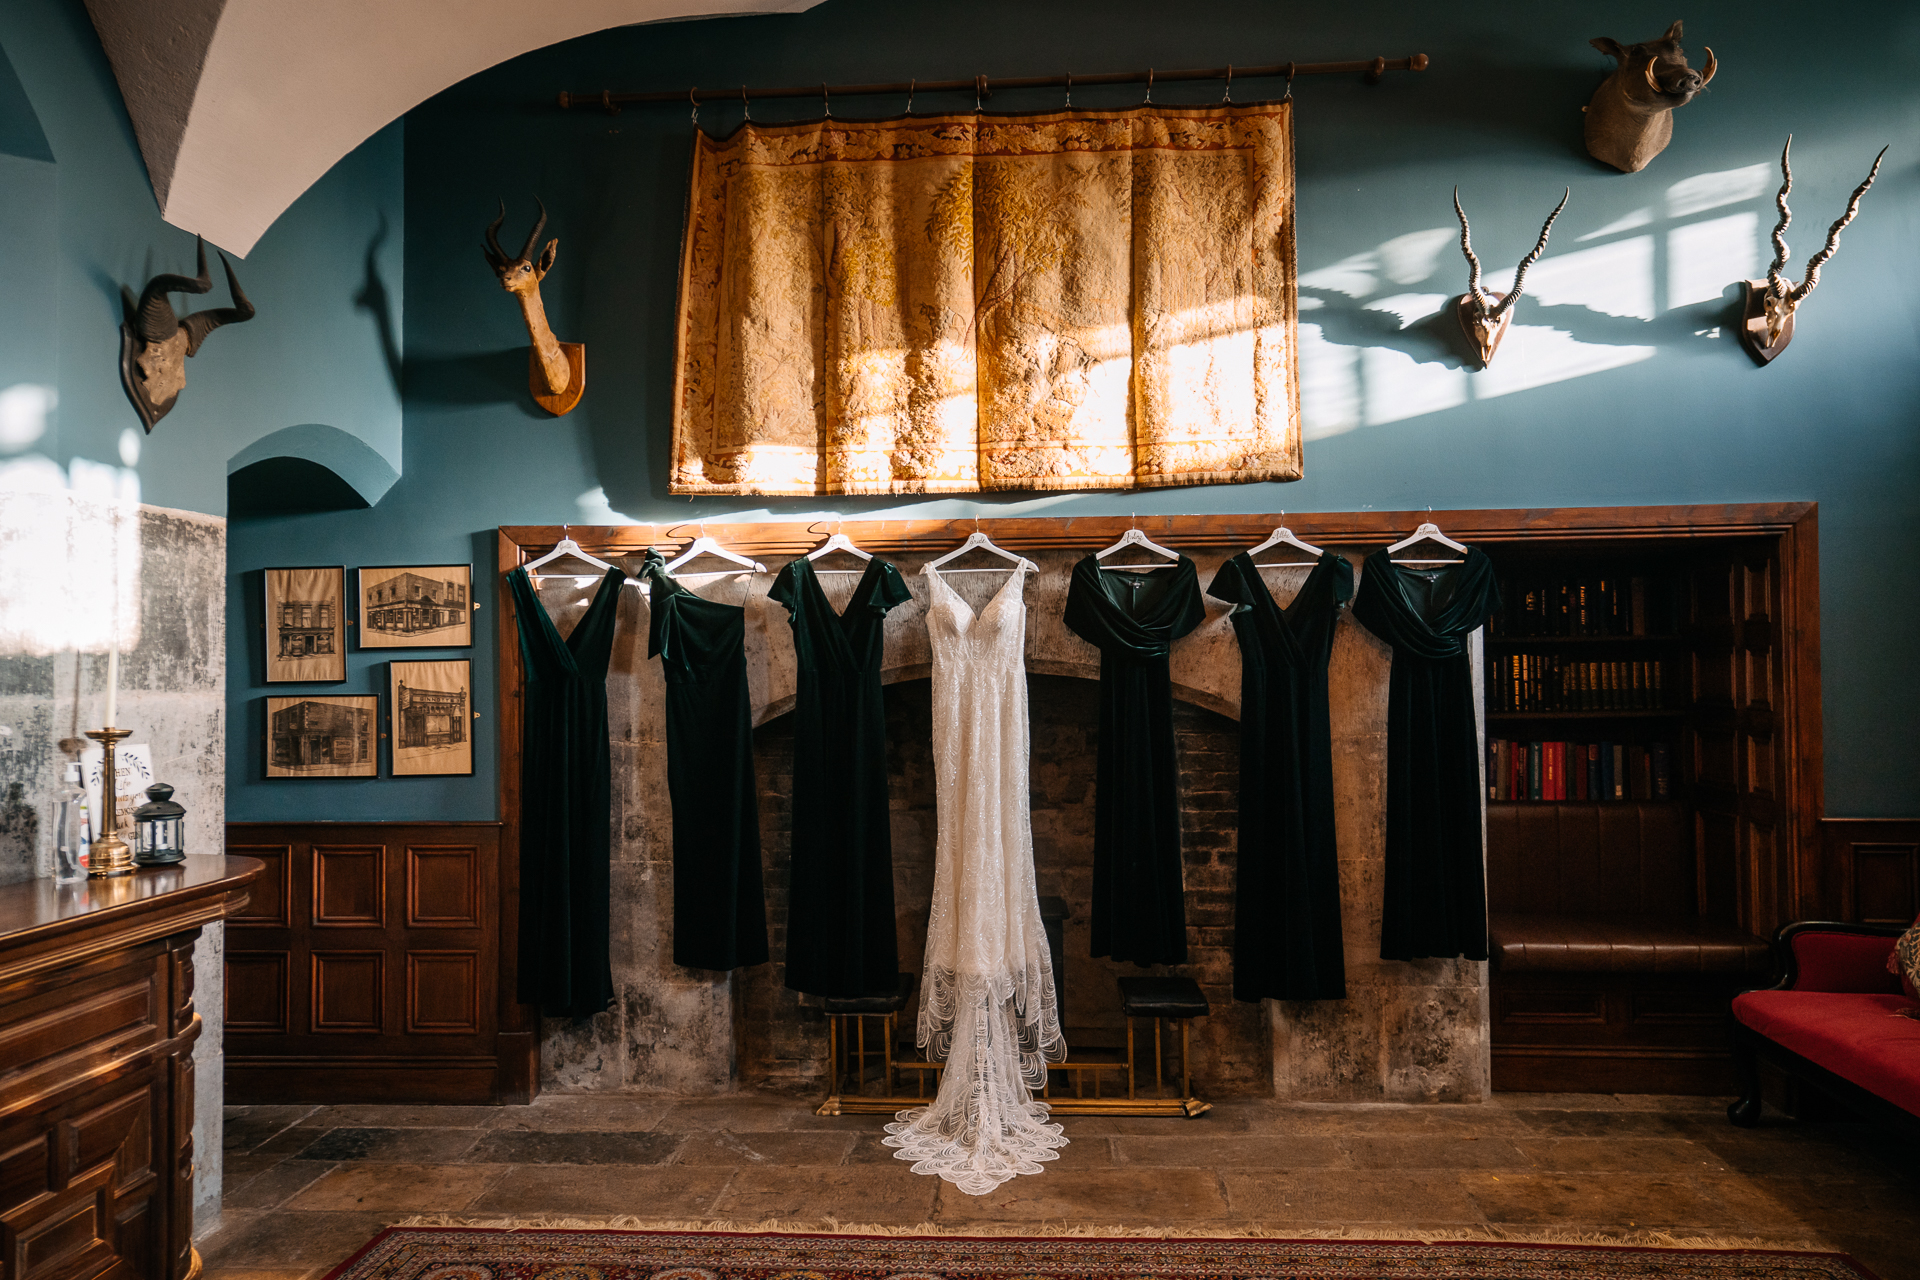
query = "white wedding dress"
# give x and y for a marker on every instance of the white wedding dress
(987, 1004)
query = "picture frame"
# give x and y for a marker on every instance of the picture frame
(323, 735)
(430, 717)
(305, 625)
(415, 606)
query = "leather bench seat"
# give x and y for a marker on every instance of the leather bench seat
(1623, 944)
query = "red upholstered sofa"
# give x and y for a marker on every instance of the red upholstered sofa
(1834, 1021)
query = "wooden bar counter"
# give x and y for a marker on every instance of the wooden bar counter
(97, 1027)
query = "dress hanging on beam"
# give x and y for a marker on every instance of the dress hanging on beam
(840, 918)
(1436, 885)
(719, 910)
(987, 1001)
(566, 803)
(1133, 619)
(1286, 914)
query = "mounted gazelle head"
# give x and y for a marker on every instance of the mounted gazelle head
(1483, 313)
(557, 372)
(1768, 322)
(155, 341)
(1630, 119)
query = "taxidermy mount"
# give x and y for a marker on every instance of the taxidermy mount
(1630, 119)
(556, 371)
(1483, 313)
(1767, 326)
(155, 343)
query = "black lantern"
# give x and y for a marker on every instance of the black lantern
(159, 829)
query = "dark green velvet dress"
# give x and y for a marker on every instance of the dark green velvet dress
(719, 911)
(1436, 884)
(566, 804)
(840, 918)
(1286, 906)
(1139, 909)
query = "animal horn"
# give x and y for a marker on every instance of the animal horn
(1520, 272)
(1777, 287)
(201, 323)
(1473, 263)
(496, 256)
(154, 316)
(1819, 259)
(533, 237)
(1652, 83)
(1713, 65)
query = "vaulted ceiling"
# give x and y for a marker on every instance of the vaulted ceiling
(241, 105)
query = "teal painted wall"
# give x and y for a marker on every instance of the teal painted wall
(78, 219)
(1624, 387)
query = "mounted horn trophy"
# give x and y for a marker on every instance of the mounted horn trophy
(155, 342)
(1630, 118)
(1484, 314)
(1767, 326)
(556, 371)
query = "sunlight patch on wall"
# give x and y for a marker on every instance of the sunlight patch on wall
(1706, 191)
(1613, 279)
(69, 557)
(1533, 355)
(1703, 258)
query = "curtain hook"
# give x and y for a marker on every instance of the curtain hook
(826, 103)
(696, 105)
(1069, 90)
(1228, 95)
(979, 90)
(745, 110)
(1289, 94)
(1149, 101)
(910, 85)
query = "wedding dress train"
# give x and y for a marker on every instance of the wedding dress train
(987, 1000)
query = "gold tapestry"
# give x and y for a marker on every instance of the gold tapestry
(946, 304)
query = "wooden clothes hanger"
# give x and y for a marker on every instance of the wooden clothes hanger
(1135, 538)
(838, 542)
(1428, 532)
(1283, 537)
(978, 541)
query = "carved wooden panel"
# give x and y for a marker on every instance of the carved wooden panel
(271, 899)
(1874, 864)
(119, 1133)
(348, 993)
(257, 992)
(443, 992)
(443, 886)
(349, 887)
(25, 1172)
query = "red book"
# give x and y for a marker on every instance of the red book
(1550, 770)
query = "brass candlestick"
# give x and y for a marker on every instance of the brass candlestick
(109, 855)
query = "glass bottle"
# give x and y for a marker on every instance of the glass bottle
(72, 831)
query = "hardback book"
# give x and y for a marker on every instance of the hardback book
(1592, 767)
(1618, 788)
(1660, 767)
(1533, 771)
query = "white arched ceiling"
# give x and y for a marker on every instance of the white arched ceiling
(241, 105)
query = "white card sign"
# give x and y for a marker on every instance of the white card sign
(133, 774)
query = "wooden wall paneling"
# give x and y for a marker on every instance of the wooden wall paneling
(443, 886)
(272, 900)
(519, 1023)
(349, 886)
(1874, 868)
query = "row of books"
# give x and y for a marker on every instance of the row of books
(1547, 682)
(1593, 605)
(1578, 771)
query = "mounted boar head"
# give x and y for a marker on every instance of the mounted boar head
(1767, 327)
(155, 342)
(556, 372)
(1485, 314)
(1630, 119)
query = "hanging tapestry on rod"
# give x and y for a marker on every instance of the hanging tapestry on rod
(950, 304)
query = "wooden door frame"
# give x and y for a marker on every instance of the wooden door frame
(1796, 524)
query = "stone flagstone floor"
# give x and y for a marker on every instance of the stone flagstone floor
(306, 1186)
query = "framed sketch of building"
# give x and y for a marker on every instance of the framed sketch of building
(323, 736)
(430, 717)
(416, 606)
(306, 629)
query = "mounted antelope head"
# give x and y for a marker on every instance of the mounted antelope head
(557, 371)
(1630, 119)
(1483, 313)
(1768, 323)
(155, 342)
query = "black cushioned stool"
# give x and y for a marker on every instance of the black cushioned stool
(847, 1052)
(1162, 999)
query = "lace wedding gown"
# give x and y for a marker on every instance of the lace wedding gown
(987, 1004)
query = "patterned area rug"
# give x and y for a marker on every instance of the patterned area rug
(471, 1253)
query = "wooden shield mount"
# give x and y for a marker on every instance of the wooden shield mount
(1753, 325)
(558, 402)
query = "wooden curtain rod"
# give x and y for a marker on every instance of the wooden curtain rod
(1372, 68)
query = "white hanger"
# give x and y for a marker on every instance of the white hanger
(1428, 532)
(838, 542)
(1135, 538)
(568, 547)
(978, 541)
(705, 546)
(1283, 537)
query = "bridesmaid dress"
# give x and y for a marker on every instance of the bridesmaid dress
(1436, 881)
(566, 804)
(987, 1005)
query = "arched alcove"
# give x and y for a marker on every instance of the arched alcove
(309, 467)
